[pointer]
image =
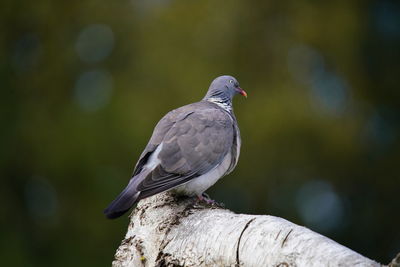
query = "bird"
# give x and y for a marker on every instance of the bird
(190, 149)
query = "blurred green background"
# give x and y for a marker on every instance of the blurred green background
(83, 83)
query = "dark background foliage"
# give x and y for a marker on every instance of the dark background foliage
(84, 82)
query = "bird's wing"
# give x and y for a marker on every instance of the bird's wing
(161, 129)
(193, 145)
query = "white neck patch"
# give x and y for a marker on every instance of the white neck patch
(220, 103)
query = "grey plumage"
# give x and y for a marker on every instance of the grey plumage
(190, 149)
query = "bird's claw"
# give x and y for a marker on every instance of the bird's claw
(205, 199)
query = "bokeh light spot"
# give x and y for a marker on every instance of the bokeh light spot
(93, 90)
(303, 63)
(95, 43)
(319, 206)
(379, 130)
(145, 6)
(330, 92)
(41, 199)
(387, 18)
(27, 52)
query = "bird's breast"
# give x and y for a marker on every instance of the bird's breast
(201, 183)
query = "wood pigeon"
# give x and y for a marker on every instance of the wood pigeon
(190, 149)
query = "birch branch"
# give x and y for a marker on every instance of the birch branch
(164, 231)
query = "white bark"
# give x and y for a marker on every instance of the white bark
(164, 231)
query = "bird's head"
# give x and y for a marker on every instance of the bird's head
(225, 88)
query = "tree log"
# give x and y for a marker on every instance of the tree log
(165, 231)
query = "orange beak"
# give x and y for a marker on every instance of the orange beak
(242, 92)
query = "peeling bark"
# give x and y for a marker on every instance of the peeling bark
(165, 231)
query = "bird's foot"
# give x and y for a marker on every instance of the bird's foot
(205, 199)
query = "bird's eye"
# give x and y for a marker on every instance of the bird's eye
(231, 81)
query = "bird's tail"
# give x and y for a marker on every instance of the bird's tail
(123, 202)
